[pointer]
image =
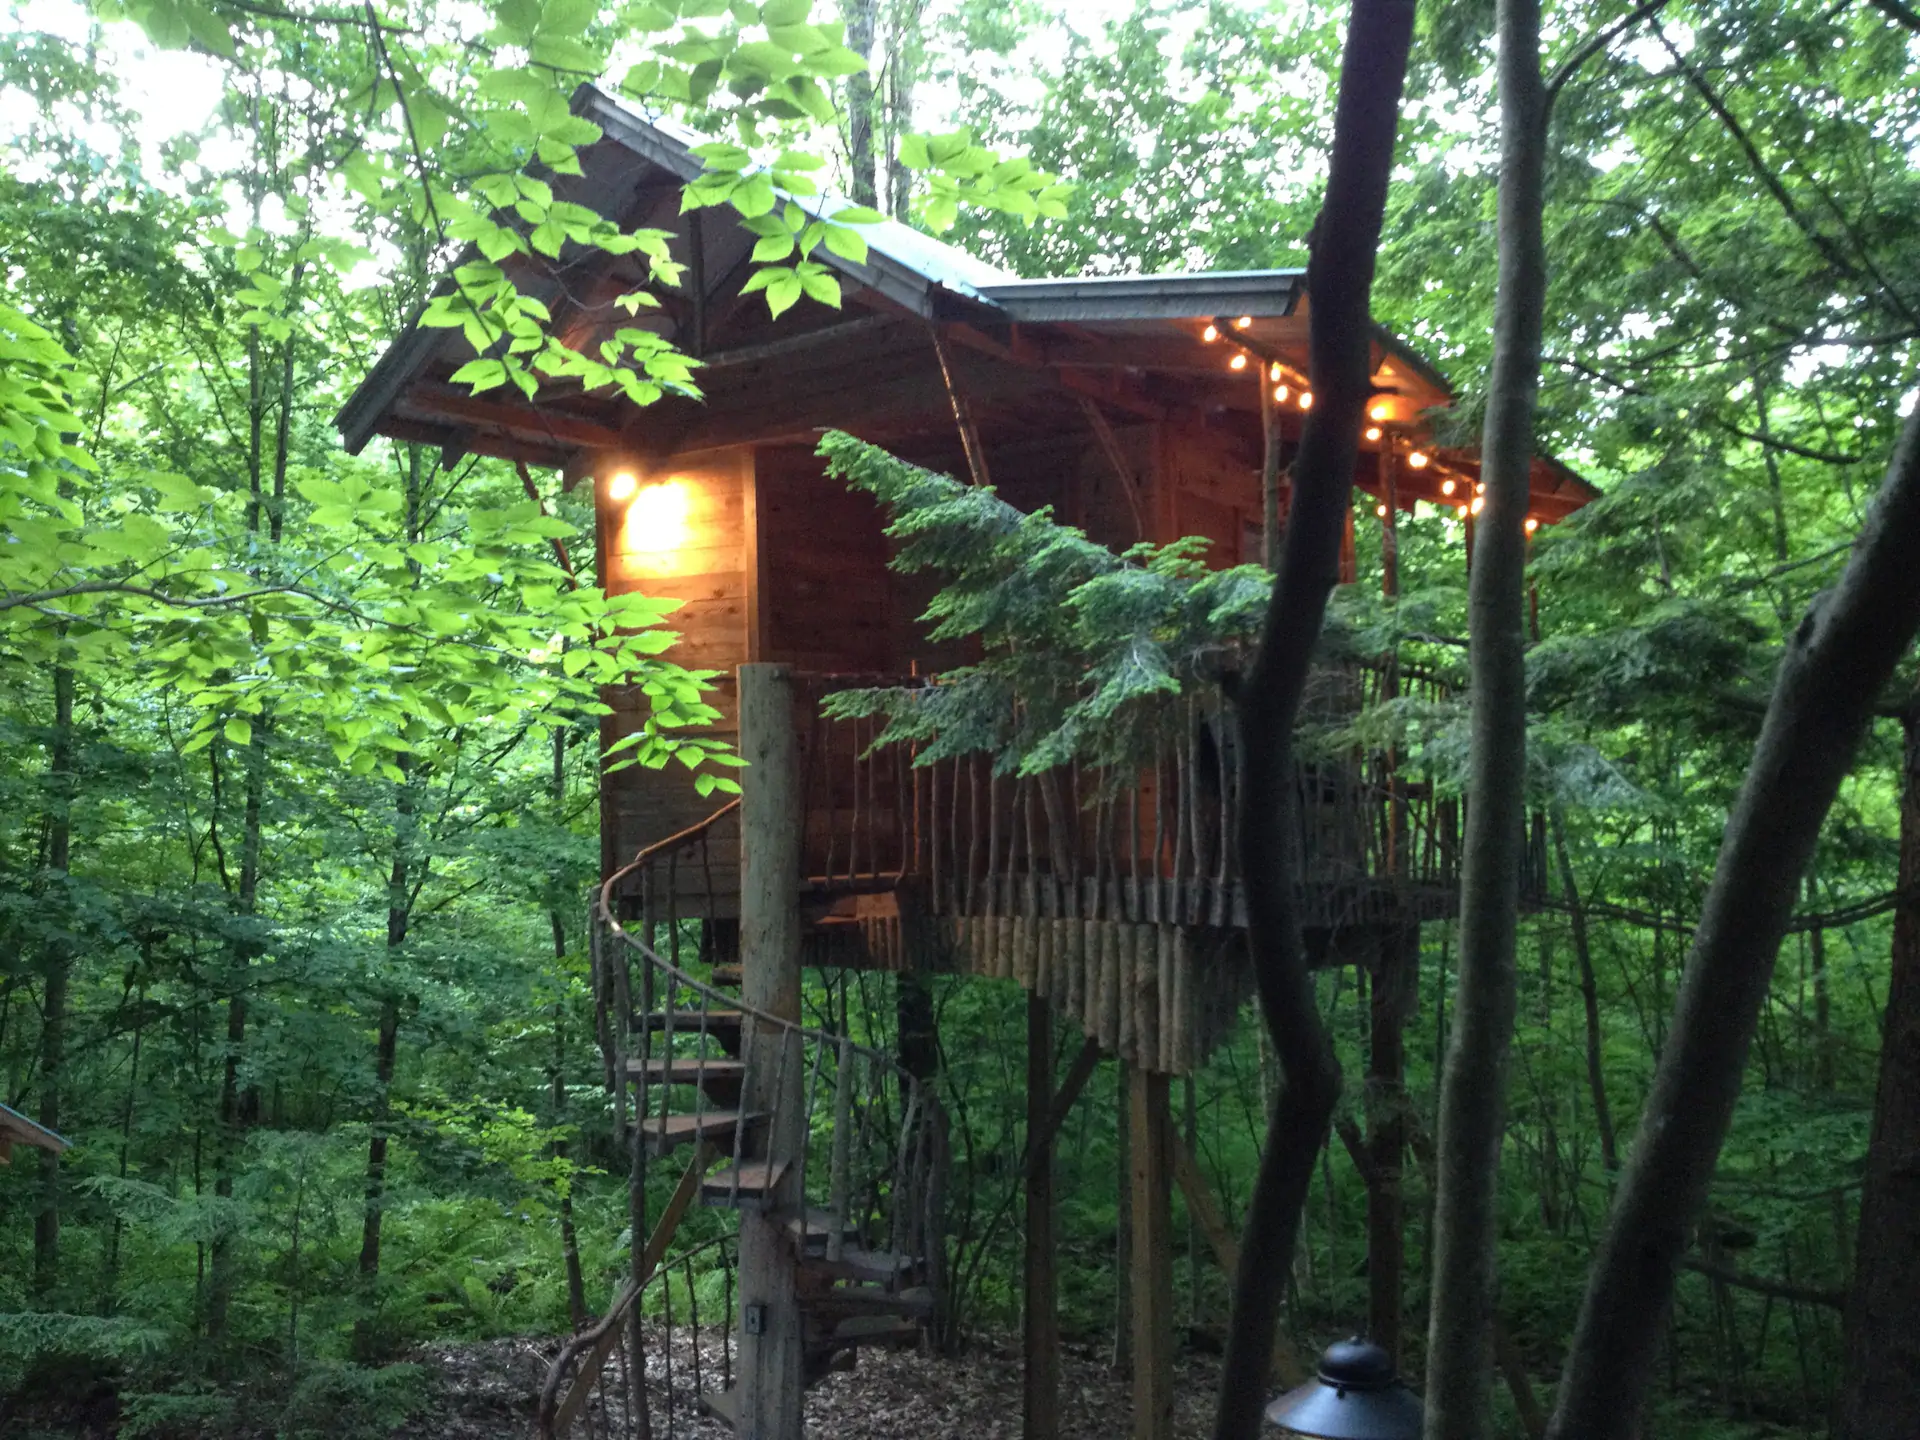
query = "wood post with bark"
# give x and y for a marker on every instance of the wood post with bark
(771, 814)
(1340, 277)
(1835, 666)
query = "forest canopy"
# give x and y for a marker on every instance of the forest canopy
(301, 751)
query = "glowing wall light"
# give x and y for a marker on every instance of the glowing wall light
(1380, 411)
(657, 525)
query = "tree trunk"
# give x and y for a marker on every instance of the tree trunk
(860, 149)
(569, 1239)
(1590, 1001)
(1340, 277)
(1880, 1376)
(1836, 663)
(53, 1013)
(1473, 1086)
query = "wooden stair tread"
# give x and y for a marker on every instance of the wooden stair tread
(861, 1301)
(664, 1132)
(688, 1069)
(726, 975)
(878, 1267)
(688, 1022)
(816, 1227)
(874, 1330)
(750, 1179)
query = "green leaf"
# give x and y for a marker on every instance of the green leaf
(784, 12)
(238, 730)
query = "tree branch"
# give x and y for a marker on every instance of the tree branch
(1593, 45)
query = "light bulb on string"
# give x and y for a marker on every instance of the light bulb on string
(621, 486)
(1381, 511)
(1245, 322)
(1238, 362)
(1373, 432)
(1280, 394)
(1380, 412)
(1446, 487)
(1479, 504)
(1417, 459)
(1273, 371)
(1306, 399)
(1532, 524)
(1210, 334)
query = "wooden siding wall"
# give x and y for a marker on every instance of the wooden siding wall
(827, 598)
(688, 534)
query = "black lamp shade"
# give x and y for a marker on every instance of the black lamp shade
(1356, 1396)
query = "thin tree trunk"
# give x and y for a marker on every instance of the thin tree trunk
(569, 1238)
(53, 1012)
(1340, 277)
(1836, 663)
(1473, 1086)
(1880, 1375)
(1589, 999)
(1395, 984)
(860, 16)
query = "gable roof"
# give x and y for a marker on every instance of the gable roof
(17, 1129)
(1031, 352)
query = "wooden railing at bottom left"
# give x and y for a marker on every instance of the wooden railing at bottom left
(576, 1370)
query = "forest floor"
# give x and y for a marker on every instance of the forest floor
(491, 1389)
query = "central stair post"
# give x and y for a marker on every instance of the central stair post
(771, 824)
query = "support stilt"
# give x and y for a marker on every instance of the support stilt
(1041, 1414)
(771, 1344)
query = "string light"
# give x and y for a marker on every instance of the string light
(1479, 504)
(1417, 460)
(1380, 412)
(1238, 362)
(621, 487)
(1532, 524)
(1245, 322)
(1306, 399)
(1373, 432)
(1446, 487)
(1481, 488)
(1280, 394)
(1210, 334)
(1273, 371)
(1381, 511)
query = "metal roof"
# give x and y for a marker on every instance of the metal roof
(1263, 294)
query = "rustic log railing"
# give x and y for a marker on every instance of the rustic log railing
(1151, 844)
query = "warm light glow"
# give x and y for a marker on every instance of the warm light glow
(1417, 459)
(1481, 488)
(1380, 411)
(1306, 399)
(621, 487)
(1479, 504)
(1532, 524)
(1381, 511)
(1210, 334)
(1373, 432)
(1238, 362)
(1280, 393)
(1446, 487)
(1273, 371)
(657, 524)
(1245, 322)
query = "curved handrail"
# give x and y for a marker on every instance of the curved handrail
(681, 840)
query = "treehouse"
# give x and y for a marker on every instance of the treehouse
(1138, 408)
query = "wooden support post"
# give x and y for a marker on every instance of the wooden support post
(769, 1405)
(1151, 1127)
(1041, 1411)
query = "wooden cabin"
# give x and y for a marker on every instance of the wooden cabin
(1139, 408)
(1136, 406)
